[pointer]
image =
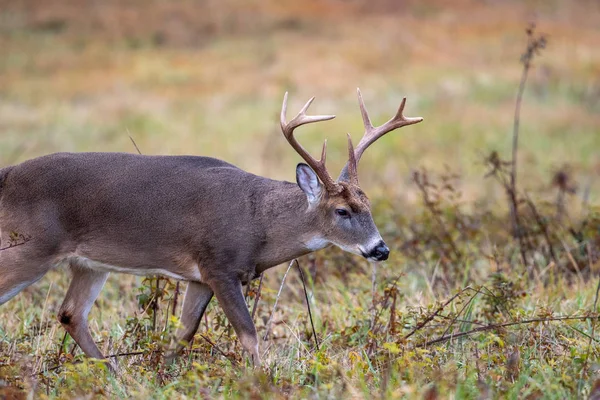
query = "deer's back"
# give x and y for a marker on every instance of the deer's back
(110, 205)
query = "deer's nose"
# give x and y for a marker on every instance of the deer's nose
(380, 252)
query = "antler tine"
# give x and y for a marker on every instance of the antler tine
(363, 112)
(352, 167)
(324, 153)
(288, 131)
(373, 133)
(400, 112)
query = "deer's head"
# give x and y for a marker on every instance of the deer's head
(342, 209)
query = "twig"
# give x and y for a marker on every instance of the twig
(134, 353)
(233, 360)
(268, 326)
(134, 144)
(308, 304)
(300, 342)
(131, 353)
(62, 345)
(582, 333)
(432, 316)
(385, 300)
(373, 292)
(453, 321)
(392, 323)
(594, 309)
(543, 226)
(155, 304)
(175, 298)
(48, 370)
(248, 284)
(463, 321)
(507, 324)
(587, 190)
(15, 242)
(533, 46)
(167, 313)
(573, 262)
(10, 246)
(421, 180)
(512, 193)
(255, 305)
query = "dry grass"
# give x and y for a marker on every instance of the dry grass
(207, 78)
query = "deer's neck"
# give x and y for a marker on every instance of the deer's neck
(290, 228)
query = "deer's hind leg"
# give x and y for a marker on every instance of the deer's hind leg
(73, 313)
(19, 270)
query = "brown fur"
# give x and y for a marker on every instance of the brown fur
(197, 218)
(194, 218)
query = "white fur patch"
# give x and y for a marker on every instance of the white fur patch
(352, 249)
(13, 291)
(316, 243)
(362, 250)
(374, 242)
(99, 266)
(89, 300)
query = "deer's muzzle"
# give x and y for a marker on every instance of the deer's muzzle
(379, 253)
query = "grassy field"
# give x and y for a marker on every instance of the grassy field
(454, 312)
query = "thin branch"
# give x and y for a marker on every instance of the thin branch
(132, 353)
(543, 226)
(420, 179)
(507, 324)
(268, 326)
(384, 301)
(155, 304)
(233, 360)
(533, 46)
(62, 345)
(453, 321)
(21, 240)
(582, 333)
(258, 291)
(134, 144)
(105, 360)
(432, 316)
(175, 299)
(463, 321)
(515, 148)
(594, 309)
(373, 292)
(308, 304)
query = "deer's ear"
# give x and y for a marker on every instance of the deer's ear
(309, 183)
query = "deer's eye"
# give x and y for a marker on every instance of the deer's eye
(342, 213)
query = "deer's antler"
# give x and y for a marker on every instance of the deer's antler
(288, 131)
(349, 173)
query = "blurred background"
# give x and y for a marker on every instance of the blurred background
(207, 77)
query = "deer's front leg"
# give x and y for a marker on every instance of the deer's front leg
(231, 298)
(73, 313)
(197, 297)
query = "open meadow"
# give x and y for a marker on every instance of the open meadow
(469, 305)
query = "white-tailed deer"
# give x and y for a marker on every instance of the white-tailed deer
(196, 219)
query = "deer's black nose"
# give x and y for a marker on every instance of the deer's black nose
(380, 252)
